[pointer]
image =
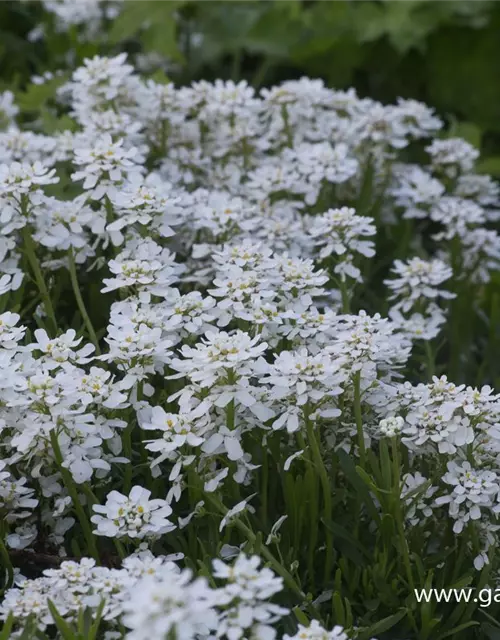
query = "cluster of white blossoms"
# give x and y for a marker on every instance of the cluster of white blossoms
(87, 14)
(228, 233)
(415, 290)
(152, 597)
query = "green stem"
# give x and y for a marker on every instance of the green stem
(252, 538)
(231, 409)
(120, 549)
(286, 126)
(399, 512)
(430, 359)
(312, 493)
(127, 450)
(265, 485)
(236, 65)
(230, 417)
(7, 564)
(346, 304)
(80, 302)
(359, 418)
(260, 73)
(29, 247)
(73, 492)
(327, 496)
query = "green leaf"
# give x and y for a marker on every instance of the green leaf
(341, 532)
(7, 627)
(352, 476)
(62, 626)
(36, 96)
(459, 78)
(490, 631)
(29, 629)
(301, 616)
(461, 627)
(155, 21)
(53, 124)
(489, 166)
(338, 608)
(92, 635)
(468, 131)
(382, 625)
(401, 22)
(276, 33)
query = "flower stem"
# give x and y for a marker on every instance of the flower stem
(264, 484)
(127, 450)
(252, 538)
(29, 247)
(72, 490)
(80, 302)
(312, 492)
(359, 418)
(399, 512)
(430, 359)
(346, 305)
(327, 497)
(7, 564)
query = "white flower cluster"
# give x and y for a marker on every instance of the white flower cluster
(415, 289)
(152, 597)
(228, 232)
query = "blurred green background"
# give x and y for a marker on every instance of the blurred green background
(445, 53)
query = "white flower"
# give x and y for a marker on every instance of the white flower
(303, 383)
(457, 216)
(390, 427)
(418, 326)
(419, 502)
(106, 164)
(10, 282)
(368, 344)
(482, 189)
(145, 267)
(415, 190)
(417, 281)
(248, 614)
(137, 350)
(291, 458)
(135, 516)
(452, 156)
(419, 119)
(18, 179)
(178, 430)
(474, 491)
(218, 353)
(58, 351)
(232, 513)
(10, 334)
(170, 602)
(147, 202)
(87, 14)
(316, 632)
(340, 232)
(16, 501)
(8, 110)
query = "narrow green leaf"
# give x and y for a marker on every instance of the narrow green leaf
(7, 627)
(349, 469)
(61, 624)
(461, 627)
(382, 625)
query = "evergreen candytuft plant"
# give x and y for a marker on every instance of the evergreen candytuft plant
(248, 360)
